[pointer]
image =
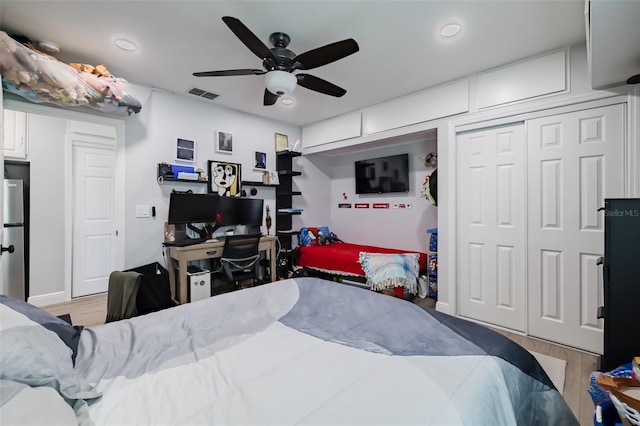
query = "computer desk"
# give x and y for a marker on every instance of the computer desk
(206, 250)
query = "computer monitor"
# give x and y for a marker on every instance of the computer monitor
(234, 211)
(187, 207)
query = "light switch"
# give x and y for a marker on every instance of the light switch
(143, 211)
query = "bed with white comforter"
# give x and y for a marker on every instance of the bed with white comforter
(301, 351)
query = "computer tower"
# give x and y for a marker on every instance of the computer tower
(199, 284)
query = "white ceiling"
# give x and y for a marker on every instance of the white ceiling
(401, 50)
(615, 42)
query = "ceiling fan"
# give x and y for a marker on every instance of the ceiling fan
(279, 63)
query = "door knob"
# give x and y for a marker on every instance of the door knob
(10, 249)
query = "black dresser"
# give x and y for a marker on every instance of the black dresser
(621, 272)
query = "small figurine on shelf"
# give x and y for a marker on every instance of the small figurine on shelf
(267, 220)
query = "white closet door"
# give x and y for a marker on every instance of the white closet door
(491, 226)
(94, 224)
(575, 161)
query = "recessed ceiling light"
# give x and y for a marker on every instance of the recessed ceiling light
(286, 101)
(125, 45)
(450, 30)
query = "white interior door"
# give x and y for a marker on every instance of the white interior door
(94, 223)
(491, 226)
(576, 160)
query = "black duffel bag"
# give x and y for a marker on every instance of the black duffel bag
(154, 292)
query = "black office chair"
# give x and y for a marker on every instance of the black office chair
(240, 258)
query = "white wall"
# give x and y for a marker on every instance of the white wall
(403, 229)
(47, 232)
(315, 185)
(151, 139)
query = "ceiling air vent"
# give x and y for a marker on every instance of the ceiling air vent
(203, 93)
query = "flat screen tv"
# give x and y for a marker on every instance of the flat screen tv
(383, 175)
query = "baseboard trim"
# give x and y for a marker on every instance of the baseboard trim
(48, 299)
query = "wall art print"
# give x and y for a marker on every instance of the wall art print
(259, 160)
(225, 178)
(224, 142)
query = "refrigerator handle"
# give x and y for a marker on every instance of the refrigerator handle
(10, 249)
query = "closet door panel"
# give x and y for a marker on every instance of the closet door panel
(575, 161)
(491, 202)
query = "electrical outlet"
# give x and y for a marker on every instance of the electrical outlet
(143, 211)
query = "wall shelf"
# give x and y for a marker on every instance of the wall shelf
(162, 180)
(289, 154)
(288, 232)
(256, 183)
(288, 173)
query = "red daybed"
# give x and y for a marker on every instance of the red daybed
(342, 258)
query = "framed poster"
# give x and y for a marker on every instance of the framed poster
(224, 178)
(224, 142)
(259, 160)
(282, 142)
(185, 150)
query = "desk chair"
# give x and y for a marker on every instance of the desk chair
(240, 258)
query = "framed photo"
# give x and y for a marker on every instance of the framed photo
(225, 178)
(259, 160)
(185, 150)
(282, 142)
(224, 142)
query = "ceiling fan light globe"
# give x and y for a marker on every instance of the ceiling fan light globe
(280, 82)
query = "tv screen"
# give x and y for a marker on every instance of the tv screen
(383, 175)
(187, 207)
(240, 211)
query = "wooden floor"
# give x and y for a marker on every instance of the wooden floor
(92, 310)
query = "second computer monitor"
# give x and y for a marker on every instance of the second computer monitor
(234, 211)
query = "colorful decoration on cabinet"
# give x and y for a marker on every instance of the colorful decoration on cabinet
(431, 187)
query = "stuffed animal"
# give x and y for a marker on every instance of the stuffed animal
(329, 239)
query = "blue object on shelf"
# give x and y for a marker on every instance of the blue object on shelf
(175, 168)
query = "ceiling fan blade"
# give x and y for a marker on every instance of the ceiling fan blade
(228, 73)
(325, 54)
(635, 79)
(319, 85)
(269, 98)
(248, 38)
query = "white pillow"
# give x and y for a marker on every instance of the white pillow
(24, 405)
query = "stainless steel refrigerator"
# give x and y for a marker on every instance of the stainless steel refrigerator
(13, 265)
